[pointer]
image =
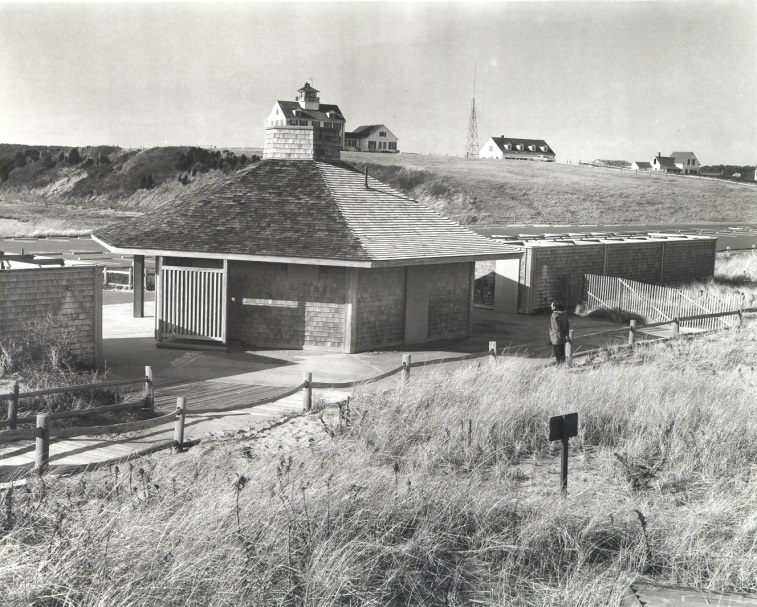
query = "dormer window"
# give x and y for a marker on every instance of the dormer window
(519, 147)
(532, 148)
(544, 148)
(508, 146)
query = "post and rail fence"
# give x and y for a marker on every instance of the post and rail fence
(44, 430)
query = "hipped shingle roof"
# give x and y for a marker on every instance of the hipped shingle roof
(304, 211)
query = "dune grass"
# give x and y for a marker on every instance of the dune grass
(443, 493)
(737, 268)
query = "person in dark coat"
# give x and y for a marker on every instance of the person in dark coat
(559, 330)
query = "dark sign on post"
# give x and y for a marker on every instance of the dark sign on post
(563, 427)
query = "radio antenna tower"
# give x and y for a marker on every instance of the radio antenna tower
(471, 148)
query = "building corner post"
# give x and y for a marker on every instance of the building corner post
(139, 286)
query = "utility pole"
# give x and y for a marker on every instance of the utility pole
(471, 147)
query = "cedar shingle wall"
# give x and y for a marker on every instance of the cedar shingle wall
(448, 300)
(635, 261)
(69, 294)
(380, 307)
(689, 260)
(312, 318)
(557, 272)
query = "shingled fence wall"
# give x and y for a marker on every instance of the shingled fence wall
(70, 295)
(557, 272)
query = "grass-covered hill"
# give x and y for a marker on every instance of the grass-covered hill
(495, 191)
(107, 171)
(47, 190)
(444, 493)
(65, 190)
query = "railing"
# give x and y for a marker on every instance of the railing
(12, 398)
(634, 329)
(661, 304)
(42, 432)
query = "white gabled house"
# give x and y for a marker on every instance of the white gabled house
(665, 164)
(687, 162)
(371, 138)
(517, 149)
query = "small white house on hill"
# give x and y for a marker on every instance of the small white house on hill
(371, 138)
(517, 149)
(641, 166)
(665, 164)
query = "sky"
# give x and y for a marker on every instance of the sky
(611, 80)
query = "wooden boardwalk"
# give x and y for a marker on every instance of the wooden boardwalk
(71, 452)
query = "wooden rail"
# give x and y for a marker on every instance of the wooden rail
(13, 398)
(43, 430)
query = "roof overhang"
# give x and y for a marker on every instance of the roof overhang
(314, 261)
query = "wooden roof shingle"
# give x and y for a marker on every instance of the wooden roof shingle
(301, 211)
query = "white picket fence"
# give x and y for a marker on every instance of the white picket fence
(656, 303)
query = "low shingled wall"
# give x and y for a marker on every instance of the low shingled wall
(557, 272)
(71, 295)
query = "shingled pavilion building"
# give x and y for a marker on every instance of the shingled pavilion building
(305, 253)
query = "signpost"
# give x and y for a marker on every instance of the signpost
(563, 427)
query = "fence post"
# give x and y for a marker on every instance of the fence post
(569, 347)
(632, 334)
(13, 407)
(42, 447)
(676, 327)
(149, 393)
(307, 392)
(492, 352)
(178, 427)
(406, 362)
(728, 251)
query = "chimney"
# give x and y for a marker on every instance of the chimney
(659, 155)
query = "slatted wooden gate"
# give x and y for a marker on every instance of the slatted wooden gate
(192, 303)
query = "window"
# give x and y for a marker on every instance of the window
(392, 145)
(532, 148)
(316, 123)
(544, 148)
(508, 146)
(292, 122)
(302, 122)
(519, 147)
(491, 148)
(277, 111)
(382, 133)
(371, 145)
